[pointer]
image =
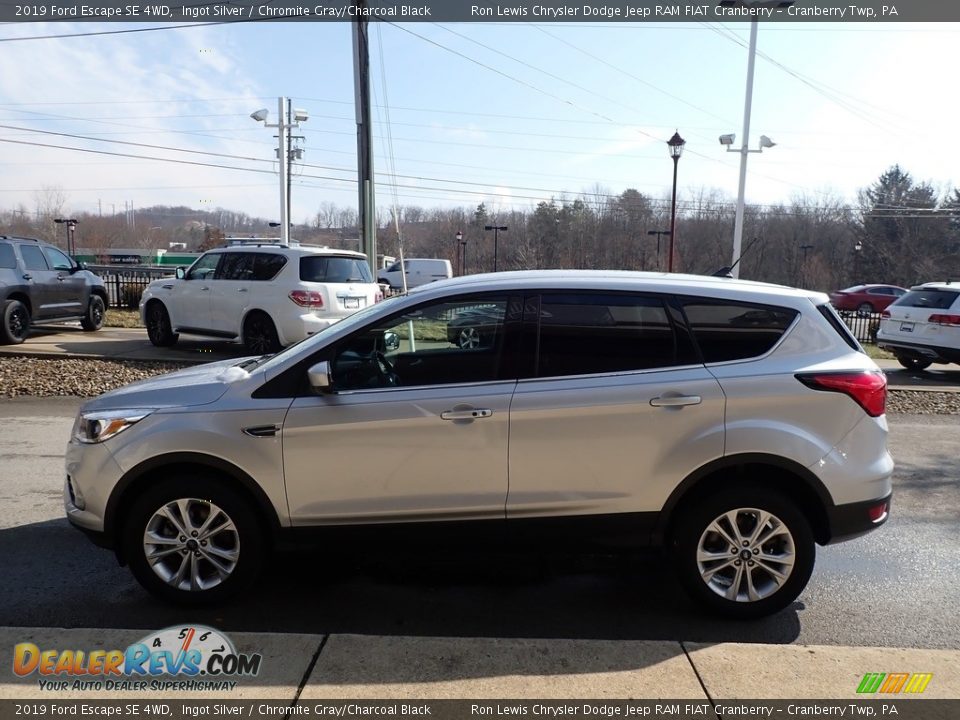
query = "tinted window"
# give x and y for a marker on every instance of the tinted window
(321, 268)
(437, 344)
(735, 331)
(33, 258)
(7, 258)
(266, 266)
(204, 267)
(57, 260)
(235, 266)
(600, 333)
(935, 299)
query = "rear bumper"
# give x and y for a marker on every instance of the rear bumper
(852, 520)
(932, 353)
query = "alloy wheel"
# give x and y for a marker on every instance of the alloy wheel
(746, 555)
(191, 544)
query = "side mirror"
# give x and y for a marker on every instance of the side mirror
(77, 267)
(181, 273)
(319, 376)
(391, 341)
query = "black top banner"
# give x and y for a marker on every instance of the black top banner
(640, 11)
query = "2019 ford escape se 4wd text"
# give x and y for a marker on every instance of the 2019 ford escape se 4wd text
(738, 424)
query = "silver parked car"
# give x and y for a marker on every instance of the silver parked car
(737, 423)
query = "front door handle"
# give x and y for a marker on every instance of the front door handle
(472, 414)
(27, 276)
(676, 401)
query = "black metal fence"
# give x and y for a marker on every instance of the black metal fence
(864, 326)
(125, 285)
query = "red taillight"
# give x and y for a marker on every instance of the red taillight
(868, 389)
(945, 319)
(878, 513)
(307, 298)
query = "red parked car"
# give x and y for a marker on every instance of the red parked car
(866, 299)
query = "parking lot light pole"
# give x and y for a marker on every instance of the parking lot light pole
(659, 234)
(462, 252)
(496, 237)
(676, 144)
(71, 227)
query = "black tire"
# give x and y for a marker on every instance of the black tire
(913, 363)
(159, 329)
(199, 496)
(865, 308)
(791, 539)
(93, 318)
(14, 322)
(260, 334)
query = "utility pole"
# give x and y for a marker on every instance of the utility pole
(365, 189)
(282, 131)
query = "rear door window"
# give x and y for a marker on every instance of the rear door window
(33, 258)
(584, 334)
(933, 299)
(266, 266)
(333, 269)
(727, 330)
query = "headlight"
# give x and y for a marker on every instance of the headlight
(95, 427)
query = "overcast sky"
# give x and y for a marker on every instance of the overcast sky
(506, 114)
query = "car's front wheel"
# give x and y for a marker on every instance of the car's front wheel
(864, 308)
(93, 318)
(913, 363)
(193, 540)
(745, 553)
(159, 329)
(14, 322)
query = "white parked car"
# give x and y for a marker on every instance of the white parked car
(266, 296)
(420, 271)
(923, 326)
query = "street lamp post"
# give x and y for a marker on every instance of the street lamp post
(284, 155)
(728, 139)
(462, 252)
(496, 237)
(659, 234)
(71, 227)
(676, 144)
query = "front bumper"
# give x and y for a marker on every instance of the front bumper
(852, 520)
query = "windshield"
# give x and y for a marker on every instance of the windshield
(268, 362)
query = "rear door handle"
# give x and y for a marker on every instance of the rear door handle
(472, 414)
(676, 401)
(27, 276)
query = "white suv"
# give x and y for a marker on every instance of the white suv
(265, 295)
(736, 423)
(923, 326)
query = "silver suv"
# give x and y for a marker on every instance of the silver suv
(41, 283)
(737, 423)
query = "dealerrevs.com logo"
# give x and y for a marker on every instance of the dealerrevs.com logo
(199, 657)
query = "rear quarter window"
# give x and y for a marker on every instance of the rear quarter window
(934, 299)
(727, 330)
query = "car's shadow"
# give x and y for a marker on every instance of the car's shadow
(54, 577)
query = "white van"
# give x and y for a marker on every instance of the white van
(420, 271)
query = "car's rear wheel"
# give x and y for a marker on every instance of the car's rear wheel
(913, 363)
(14, 322)
(193, 540)
(93, 318)
(260, 334)
(744, 553)
(159, 329)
